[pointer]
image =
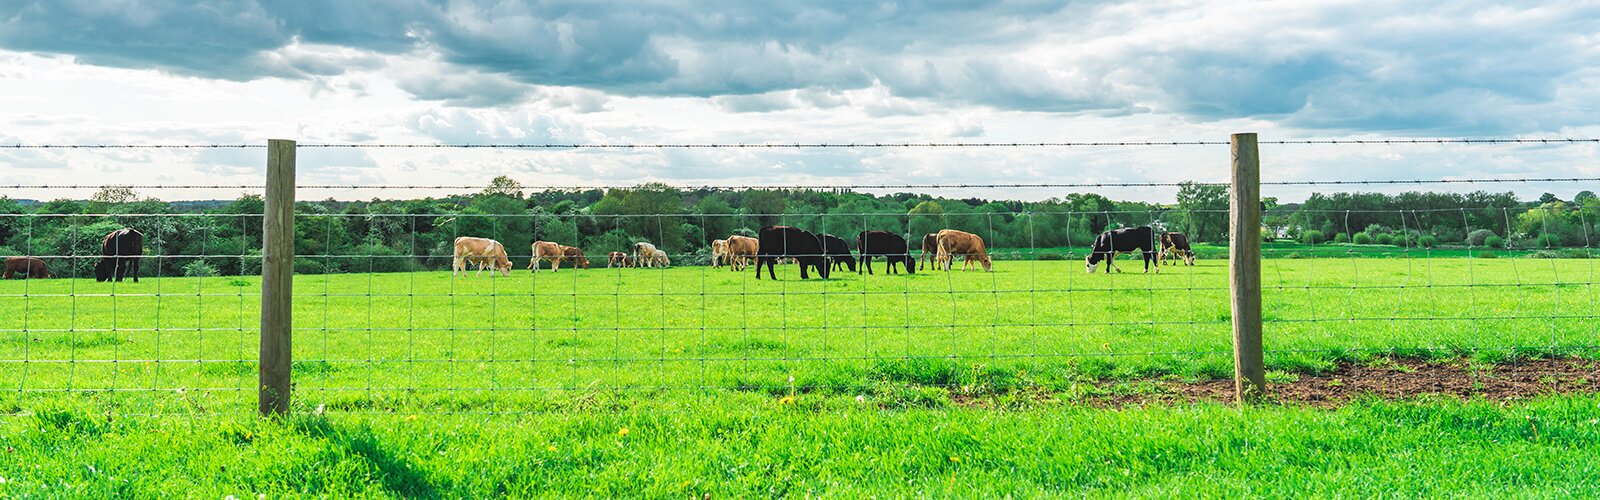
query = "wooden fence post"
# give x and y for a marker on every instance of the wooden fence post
(1244, 269)
(277, 280)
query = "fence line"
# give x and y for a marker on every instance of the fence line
(378, 337)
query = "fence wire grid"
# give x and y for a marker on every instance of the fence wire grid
(383, 323)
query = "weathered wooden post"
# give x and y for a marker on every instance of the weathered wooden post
(277, 280)
(1244, 269)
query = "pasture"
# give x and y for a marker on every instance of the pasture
(428, 341)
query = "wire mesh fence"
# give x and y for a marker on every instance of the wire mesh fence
(391, 314)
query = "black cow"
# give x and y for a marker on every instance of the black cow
(120, 252)
(891, 246)
(1176, 245)
(838, 253)
(776, 242)
(1116, 241)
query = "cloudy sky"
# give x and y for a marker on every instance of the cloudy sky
(711, 71)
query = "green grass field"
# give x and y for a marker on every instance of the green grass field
(441, 386)
(409, 341)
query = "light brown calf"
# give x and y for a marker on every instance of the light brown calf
(547, 250)
(719, 252)
(619, 259)
(740, 250)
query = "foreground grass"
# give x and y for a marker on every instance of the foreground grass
(750, 446)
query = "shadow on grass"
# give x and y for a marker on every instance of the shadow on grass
(397, 475)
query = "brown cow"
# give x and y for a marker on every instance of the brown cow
(547, 250)
(482, 252)
(719, 252)
(619, 259)
(657, 258)
(930, 248)
(968, 246)
(30, 267)
(740, 250)
(575, 255)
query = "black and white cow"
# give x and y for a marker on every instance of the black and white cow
(1116, 241)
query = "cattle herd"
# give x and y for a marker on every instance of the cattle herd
(121, 251)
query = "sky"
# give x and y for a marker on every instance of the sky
(712, 71)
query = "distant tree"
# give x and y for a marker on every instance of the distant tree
(1204, 209)
(926, 217)
(1583, 198)
(503, 185)
(114, 194)
(1548, 198)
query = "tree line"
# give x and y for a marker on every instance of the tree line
(381, 235)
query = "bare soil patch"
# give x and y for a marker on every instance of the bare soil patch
(1389, 379)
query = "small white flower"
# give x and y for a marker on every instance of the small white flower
(861, 398)
(230, 497)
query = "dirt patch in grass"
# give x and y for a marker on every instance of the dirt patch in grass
(1389, 379)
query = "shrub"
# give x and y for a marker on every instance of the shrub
(1447, 234)
(1052, 256)
(1362, 238)
(1427, 241)
(1548, 240)
(1341, 238)
(1494, 242)
(1385, 239)
(1479, 237)
(199, 269)
(1311, 237)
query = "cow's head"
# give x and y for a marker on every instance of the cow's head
(1091, 260)
(104, 269)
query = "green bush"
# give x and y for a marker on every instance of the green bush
(199, 269)
(1479, 237)
(1427, 241)
(1311, 237)
(1547, 240)
(1494, 242)
(1384, 239)
(1362, 238)
(1341, 238)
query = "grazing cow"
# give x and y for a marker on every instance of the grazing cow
(891, 246)
(643, 254)
(778, 242)
(719, 252)
(575, 255)
(968, 246)
(30, 267)
(619, 259)
(1176, 245)
(119, 255)
(837, 252)
(482, 252)
(547, 250)
(657, 258)
(930, 249)
(1117, 241)
(740, 250)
